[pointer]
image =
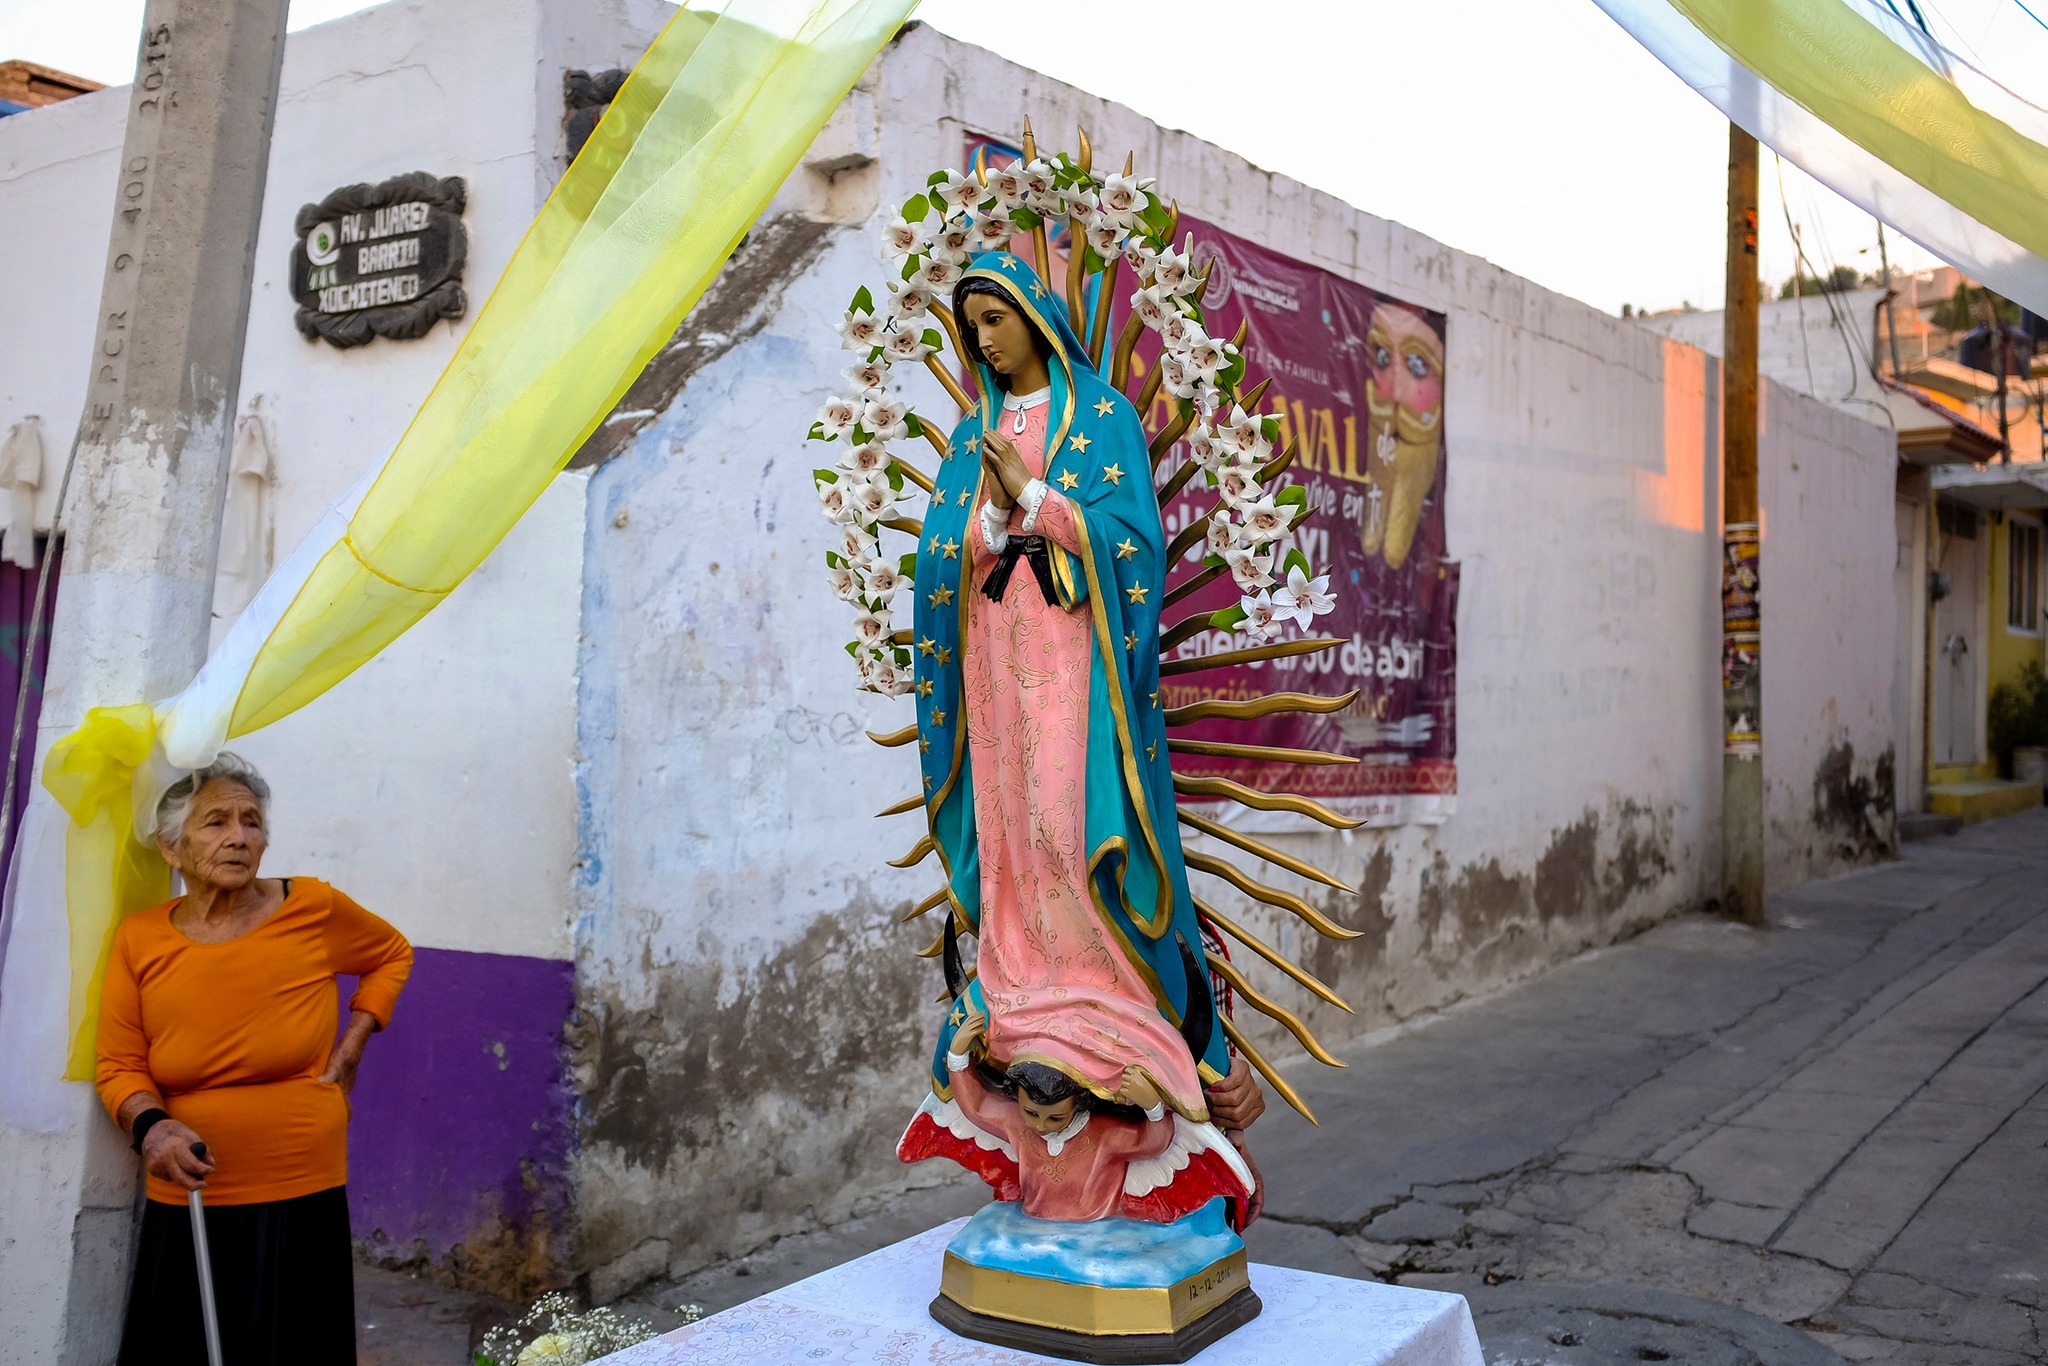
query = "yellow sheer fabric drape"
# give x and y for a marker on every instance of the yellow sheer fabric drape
(704, 131)
(1844, 70)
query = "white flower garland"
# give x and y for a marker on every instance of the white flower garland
(1114, 215)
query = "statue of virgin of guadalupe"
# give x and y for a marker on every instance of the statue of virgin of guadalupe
(1043, 744)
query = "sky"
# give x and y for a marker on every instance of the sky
(1534, 133)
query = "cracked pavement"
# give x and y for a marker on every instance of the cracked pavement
(1836, 1121)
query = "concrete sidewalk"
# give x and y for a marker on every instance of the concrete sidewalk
(1836, 1122)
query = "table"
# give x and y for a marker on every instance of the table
(871, 1312)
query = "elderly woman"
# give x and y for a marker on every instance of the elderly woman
(218, 1025)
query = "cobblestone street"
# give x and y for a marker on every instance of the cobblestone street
(1836, 1122)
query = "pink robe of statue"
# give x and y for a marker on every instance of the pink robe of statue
(1060, 989)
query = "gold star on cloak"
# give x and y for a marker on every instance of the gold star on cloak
(951, 548)
(1137, 592)
(958, 1017)
(1080, 442)
(945, 654)
(1113, 473)
(938, 718)
(971, 445)
(1126, 547)
(1151, 751)
(1131, 641)
(1155, 699)
(1103, 408)
(925, 646)
(1037, 290)
(941, 597)
(934, 545)
(1008, 262)
(924, 689)
(1069, 481)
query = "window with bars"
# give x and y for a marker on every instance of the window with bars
(2023, 576)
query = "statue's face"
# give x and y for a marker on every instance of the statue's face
(1005, 338)
(1046, 1119)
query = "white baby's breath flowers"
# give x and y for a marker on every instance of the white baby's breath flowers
(1261, 617)
(1250, 569)
(886, 418)
(866, 374)
(900, 238)
(1123, 198)
(1008, 185)
(1266, 520)
(1303, 598)
(904, 346)
(958, 191)
(992, 232)
(838, 417)
(910, 299)
(1171, 273)
(860, 330)
(1221, 535)
(938, 273)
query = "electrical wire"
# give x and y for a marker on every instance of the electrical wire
(1858, 363)
(2030, 14)
(1798, 290)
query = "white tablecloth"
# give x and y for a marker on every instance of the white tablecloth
(873, 1311)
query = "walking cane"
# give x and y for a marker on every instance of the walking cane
(205, 1260)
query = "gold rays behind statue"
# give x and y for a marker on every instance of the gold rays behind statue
(1170, 479)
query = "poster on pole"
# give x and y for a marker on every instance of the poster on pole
(1357, 381)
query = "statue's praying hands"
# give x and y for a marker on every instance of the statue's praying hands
(1007, 472)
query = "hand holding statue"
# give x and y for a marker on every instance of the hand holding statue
(1236, 1101)
(970, 1030)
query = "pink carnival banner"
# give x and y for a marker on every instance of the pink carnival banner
(1357, 380)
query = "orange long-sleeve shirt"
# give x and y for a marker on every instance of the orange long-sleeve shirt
(234, 1036)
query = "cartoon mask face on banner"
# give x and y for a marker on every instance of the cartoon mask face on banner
(1404, 397)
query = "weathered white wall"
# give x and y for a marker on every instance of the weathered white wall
(756, 1022)
(436, 785)
(1826, 482)
(479, 700)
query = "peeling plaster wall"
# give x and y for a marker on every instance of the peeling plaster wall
(436, 785)
(1827, 481)
(753, 1025)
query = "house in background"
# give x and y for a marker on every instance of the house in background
(27, 85)
(1969, 524)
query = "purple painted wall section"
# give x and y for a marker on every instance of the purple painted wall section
(462, 1120)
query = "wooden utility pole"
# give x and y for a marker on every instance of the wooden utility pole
(1742, 766)
(132, 622)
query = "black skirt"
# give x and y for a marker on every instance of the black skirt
(283, 1278)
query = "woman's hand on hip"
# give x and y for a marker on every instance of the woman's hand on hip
(348, 1052)
(167, 1153)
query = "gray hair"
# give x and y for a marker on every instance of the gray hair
(176, 803)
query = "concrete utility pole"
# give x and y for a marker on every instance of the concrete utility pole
(132, 620)
(1742, 765)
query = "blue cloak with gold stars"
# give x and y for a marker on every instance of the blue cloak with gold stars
(1096, 458)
